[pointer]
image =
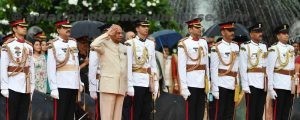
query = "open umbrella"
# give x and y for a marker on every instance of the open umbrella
(169, 107)
(166, 38)
(86, 28)
(32, 31)
(240, 30)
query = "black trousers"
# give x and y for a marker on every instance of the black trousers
(196, 103)
(255, 103)
(18, 105)
(127, 104)
(65, 105)
(225, 105)
(282, 104)
(142, 102)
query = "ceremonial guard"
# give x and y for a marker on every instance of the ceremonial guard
(280, 71)
(94, 75)
(193, 69)
(17, 72)
(63, 72)
(142, 71)
(224, 68)
(253, 60)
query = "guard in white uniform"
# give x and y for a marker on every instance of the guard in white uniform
(193, 69)
(224, 68)
(17, 72)
(94, 74)
(280, 70)
(253, 56)
(142, 71)
(63, 72)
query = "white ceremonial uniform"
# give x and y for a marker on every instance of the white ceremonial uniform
(253, 60)
(136, 78)
(225, 49)
(141, 67)
(253, 52)
(193, 78)
(280, 70)
(193, 70)
(16, 82)
(277, 54)
(65, 78)
(94, 71)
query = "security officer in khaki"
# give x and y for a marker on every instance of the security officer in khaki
(280, 70)
(17, 72)
(63, 72)
(113, 72)
(142, 71)
(193, 69)
(253, 60)
(224, 68)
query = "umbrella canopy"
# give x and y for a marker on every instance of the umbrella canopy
(86, 28)
(32, 31)
(169, 107)
(240, 30)
(168, 38)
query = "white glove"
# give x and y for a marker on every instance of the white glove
(130, 91)
(246, 89)
(273, 94)
(156, 85)
(5, 93)
(215, 94)
(31, 95)
(81, 87)
(93, 94)
(54, 94)
(32, 89)
(185, 93)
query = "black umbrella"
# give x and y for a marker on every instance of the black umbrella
(32, 31)
(169, 107)
(167, 38)
(86, 28)
(240, 30)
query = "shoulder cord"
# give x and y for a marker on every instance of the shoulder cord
(258, 54)
(63, 62)
(281, 63)
(232, 57)
(21, 63)
(198, 59)
(145, 57)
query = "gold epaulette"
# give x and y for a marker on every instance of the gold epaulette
(243, 49)
(29, 43)
(180, 43)
(214, 45)
(271, 49)
(70, 38)
(235, 42)
(8, 41)
(127, 44)
(151, 39)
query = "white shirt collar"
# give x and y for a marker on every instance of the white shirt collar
(254, 43)
(281, 44)
(227, 43)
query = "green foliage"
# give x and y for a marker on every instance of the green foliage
(62, 7)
